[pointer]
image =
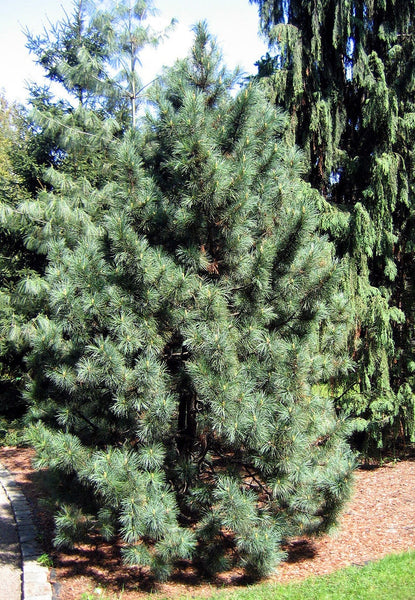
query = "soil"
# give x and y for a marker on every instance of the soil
(378, 520)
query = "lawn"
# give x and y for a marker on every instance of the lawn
(390, 578)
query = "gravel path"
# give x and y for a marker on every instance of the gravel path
(10, 558)
(21, 575)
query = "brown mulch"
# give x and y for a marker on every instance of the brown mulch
(379, 520)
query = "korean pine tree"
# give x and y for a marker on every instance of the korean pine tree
(190, 311)
(19, 173)
(93, 54)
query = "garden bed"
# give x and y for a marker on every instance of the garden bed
(379, 520)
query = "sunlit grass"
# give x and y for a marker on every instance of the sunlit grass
(392, 578)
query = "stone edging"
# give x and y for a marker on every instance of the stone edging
(35, 584)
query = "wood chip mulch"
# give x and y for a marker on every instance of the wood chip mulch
(378, 520)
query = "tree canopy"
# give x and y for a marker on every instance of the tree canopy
(189, 311)
(345, 73)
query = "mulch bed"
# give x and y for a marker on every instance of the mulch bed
(379, 520)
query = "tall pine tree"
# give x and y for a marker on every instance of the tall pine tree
(94, 53)
(345, 72)
(190, 311)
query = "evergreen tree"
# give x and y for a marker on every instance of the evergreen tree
(65, 134)
(128, 34)
(9, 252)
(73, 53)
(18, 179)
(94, 54)
(190, 311)
(345, 72)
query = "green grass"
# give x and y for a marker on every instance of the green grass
(392, 578)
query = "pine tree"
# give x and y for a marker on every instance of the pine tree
(128, 34)
(33, 143)
(345, 73)
(18, 174)
(191, 310)
(94, 54)
(73, 53)
(68, 135)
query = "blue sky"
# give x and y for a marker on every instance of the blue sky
(233, 22)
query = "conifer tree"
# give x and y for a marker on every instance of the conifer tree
(190, 311)
(18, 174)
(73, 53)
(345, 73)
(128, 34)
(9, 255)
(77, 53)
(32, 143)
(95, 54)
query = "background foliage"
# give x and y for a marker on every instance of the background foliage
(345, 73)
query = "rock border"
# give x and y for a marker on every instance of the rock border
(35, 577)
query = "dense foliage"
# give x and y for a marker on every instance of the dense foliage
(345, 72)
(21, 156)
(93, 55)
(189, 312)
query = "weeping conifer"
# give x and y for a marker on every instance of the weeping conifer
(190, 311)
(345, 73)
